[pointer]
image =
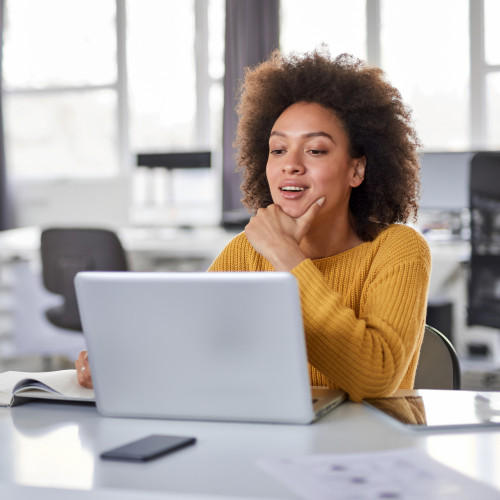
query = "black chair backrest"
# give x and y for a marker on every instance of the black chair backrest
(67, 251)
(438, 365)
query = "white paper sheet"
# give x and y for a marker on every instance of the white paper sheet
(404, 474)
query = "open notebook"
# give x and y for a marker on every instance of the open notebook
(205, 346)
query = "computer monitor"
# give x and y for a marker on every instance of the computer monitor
(484, 270)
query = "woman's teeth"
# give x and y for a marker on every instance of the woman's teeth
(292, 188)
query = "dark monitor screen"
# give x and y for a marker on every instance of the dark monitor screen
(484, 270)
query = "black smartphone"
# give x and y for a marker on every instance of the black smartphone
(148, 448)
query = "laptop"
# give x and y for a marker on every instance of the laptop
(199, 346)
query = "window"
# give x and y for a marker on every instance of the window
(424, 47)
(87, 83)
(60, 99)
(339, 24)
(424, 51)
(491, 32)
(163, 71)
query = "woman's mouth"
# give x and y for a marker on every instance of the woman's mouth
(292, 188)
(292, 191)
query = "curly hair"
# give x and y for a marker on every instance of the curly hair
(377, 122)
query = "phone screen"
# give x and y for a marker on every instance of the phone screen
(148, 448)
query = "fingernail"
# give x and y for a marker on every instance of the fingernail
(321, 201)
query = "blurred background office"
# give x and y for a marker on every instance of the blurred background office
(99, 96)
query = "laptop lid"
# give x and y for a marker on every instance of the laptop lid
(208, 346)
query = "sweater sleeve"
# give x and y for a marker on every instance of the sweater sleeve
(368, 354)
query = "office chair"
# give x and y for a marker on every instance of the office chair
(438, 365)
(65, 252)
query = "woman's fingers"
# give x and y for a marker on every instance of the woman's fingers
(277, 236)
(272, 222)
(305, 220)
(83, 370)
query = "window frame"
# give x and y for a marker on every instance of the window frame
(125, 156)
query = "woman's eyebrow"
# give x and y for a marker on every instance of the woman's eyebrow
(318, 134)
(306, 136)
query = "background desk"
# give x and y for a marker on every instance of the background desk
(147, 248)
(57, 445)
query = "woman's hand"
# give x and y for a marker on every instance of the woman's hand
(83, 370)
(277, 236)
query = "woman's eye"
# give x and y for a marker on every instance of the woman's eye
(277, 151)
(317, 152)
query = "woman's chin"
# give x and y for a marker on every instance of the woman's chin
(292, 211)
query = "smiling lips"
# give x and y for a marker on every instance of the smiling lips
(292, 190)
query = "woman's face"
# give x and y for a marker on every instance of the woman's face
(308, 159)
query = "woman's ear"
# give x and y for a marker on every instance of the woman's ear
(358, 173)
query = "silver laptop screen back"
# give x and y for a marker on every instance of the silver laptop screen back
(210, 346)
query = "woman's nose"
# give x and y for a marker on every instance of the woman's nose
(293, 164)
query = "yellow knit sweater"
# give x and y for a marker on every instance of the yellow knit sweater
(363, 309)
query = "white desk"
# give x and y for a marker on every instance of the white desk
(143, 245)
(57, 445)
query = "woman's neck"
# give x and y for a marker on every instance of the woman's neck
(331, 238)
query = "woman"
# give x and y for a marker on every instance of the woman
(330, 166)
